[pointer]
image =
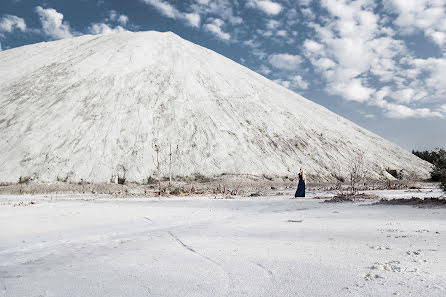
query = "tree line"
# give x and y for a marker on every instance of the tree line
(437, 158)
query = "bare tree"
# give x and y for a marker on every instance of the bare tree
(158, 169)
(170, 165)
(340, 179)
(356, 171)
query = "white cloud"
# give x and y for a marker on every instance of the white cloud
(53, 24)
(261, 54)
(9, 23)
(251, 43)
(268, 7)
(122, 19)
(404, 112)
(102, 28)
(293, 82)
(299, 82)
(312, 46)
(356, 50)
(282, 33)
(215, 27)
(193, 19)
(223, 9)
(285, 61)
(324, 64)
(272, 24)
(172, 12)
(282, 82)
(164, 8)
(428, 16)
(264, 70)
(353, 89)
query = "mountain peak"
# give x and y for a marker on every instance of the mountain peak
(148, 103)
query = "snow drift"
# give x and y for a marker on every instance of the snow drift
(135, 105)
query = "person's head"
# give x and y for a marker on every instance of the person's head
(301, 170)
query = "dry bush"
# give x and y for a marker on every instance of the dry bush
(356, 171)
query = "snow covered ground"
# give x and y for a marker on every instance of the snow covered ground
(89, 245)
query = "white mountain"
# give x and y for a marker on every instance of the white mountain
(131, 104)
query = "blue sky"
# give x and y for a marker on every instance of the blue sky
(381, 64)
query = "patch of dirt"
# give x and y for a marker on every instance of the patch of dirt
(340, 199)
(414, 201)
(350, 198)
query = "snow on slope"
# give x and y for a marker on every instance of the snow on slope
(95, 107)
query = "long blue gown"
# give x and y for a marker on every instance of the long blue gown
(300, 192)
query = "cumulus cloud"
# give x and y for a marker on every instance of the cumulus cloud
(353, 89)
(102, 28)
(357, 52)
(268, 7)
(121, 19)
(285, 61)
(170, 11)
(215, 26)
(193, 19)
(9, 23)
(299, 82)
(428, 16)
(264, 70)
(222, 9)
(293, 82)
(53, 24)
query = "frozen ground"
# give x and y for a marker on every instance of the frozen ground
(201, 246)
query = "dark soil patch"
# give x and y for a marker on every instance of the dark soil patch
(414, 201)
(340, 199)
(350, 198)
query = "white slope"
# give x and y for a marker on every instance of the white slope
(93, 108)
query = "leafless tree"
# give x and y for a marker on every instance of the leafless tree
(356, 171)
(340, 179)
(158, 168)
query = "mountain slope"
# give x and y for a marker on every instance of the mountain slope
(131, 105)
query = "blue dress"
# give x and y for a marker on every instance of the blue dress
(300, 192)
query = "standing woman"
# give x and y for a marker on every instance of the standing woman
(300, 192)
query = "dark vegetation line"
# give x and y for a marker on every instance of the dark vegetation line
(438, 159)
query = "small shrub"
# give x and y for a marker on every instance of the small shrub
(267, 177)
(175, 191)
(24, 179)
(201, 178)
(121, 180)
(443, 185)
(62, 179)
(395, 173)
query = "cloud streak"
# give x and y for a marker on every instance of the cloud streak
(170, 11)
